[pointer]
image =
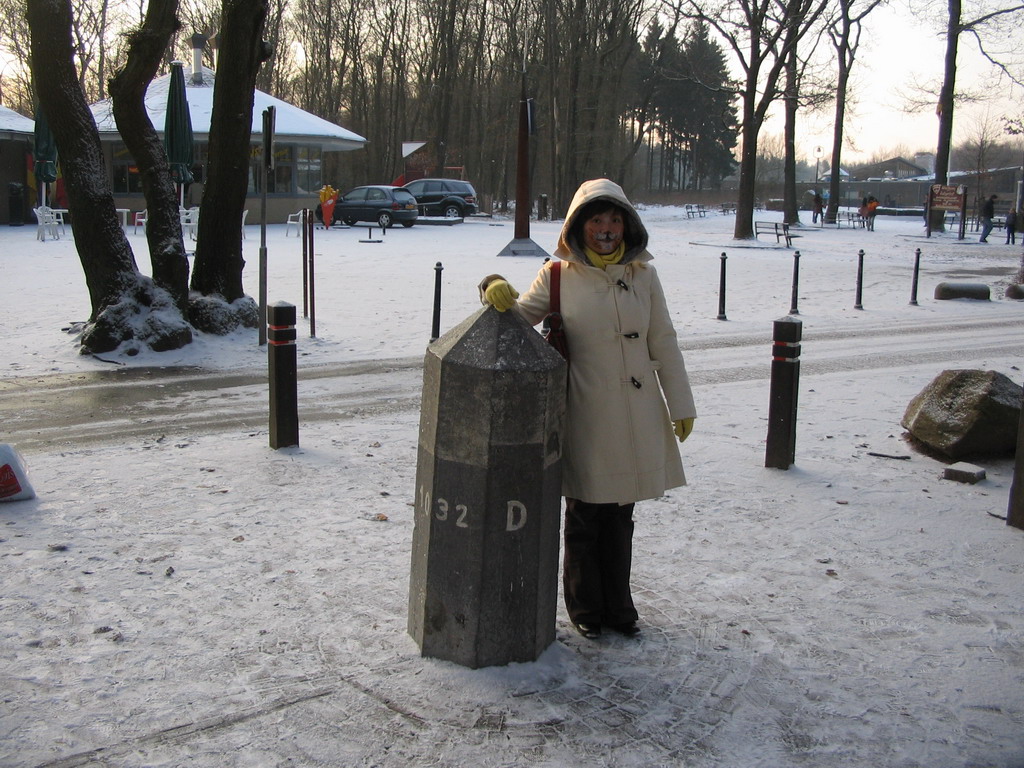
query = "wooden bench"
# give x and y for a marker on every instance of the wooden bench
(780, 230)
(695, 211)
(727, 208)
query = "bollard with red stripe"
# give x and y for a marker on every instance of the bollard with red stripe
(283, 375)
(780, 452)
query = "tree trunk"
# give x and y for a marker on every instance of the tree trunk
(745, 197)
(790, 204)
(128, 91)
(945, 107)
(842, 46)
(219, 262)
(106, 257)
(123, 301)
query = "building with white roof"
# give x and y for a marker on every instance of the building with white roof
(301, 138)
(16, 133)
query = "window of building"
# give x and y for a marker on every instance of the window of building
(126, 178)
(295, 169)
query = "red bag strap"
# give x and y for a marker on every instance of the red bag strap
(554, 302)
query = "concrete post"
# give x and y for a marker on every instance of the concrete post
(780, 451)
(484, 577)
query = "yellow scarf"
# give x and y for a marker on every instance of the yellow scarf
(603, 261)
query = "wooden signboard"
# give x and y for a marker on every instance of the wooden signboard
(943, 197)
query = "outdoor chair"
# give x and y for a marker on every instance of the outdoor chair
(46, 223)
(294, 220)
(58, 216)
(189, 220)
(244, 214)
(140, 218)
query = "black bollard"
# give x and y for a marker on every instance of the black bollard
(435, 327)
(860, 279)
(484, 578)
(780, 452)
(721, 291)
(283, 376)
(796, 283)
(913, 285)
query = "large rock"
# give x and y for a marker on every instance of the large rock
(976, 291)
(966, 413)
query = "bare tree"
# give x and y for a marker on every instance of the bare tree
(218, 261)
(845, 34)
(980, 26)
(762, 36)
(128, 92)
(124, 302)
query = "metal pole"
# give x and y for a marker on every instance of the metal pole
(268, 166)
(796, 283)
(780, 450)
(312, 287)
(263, 256)
(283, 376)
(435, 328)
(860, 279)
(721, 290)
(307, 238)
(523, 202)
(913, 285)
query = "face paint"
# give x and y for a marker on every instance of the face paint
(602, 232)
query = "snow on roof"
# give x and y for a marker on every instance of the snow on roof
(292, 125)
(14, 125)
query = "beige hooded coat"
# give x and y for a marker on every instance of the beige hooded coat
(624, 355)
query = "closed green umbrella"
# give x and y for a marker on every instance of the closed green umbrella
(44, 153)
(178, 130)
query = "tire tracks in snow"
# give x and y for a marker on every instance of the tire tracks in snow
(70, 411)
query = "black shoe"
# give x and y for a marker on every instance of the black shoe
(588, 630)
(629, 629)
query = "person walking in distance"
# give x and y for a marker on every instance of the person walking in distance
(988, 212)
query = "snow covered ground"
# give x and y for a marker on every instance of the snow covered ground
(194, 597)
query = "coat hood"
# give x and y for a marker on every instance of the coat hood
(570, 249)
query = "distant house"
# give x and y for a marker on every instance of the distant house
(301, 139)
(826, 177)
(16, 133)
(893, 168)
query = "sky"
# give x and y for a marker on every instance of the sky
(180, 593)
(898, 49)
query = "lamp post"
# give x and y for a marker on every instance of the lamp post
(818, 152)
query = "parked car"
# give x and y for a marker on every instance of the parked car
(444, 197)
(382, 204)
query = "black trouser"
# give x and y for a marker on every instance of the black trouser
(597, 561)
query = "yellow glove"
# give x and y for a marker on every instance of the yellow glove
(500, 295)
(683, 428)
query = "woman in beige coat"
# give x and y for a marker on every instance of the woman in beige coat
(628, 393)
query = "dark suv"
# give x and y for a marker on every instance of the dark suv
(450, 198)
(382, 204)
